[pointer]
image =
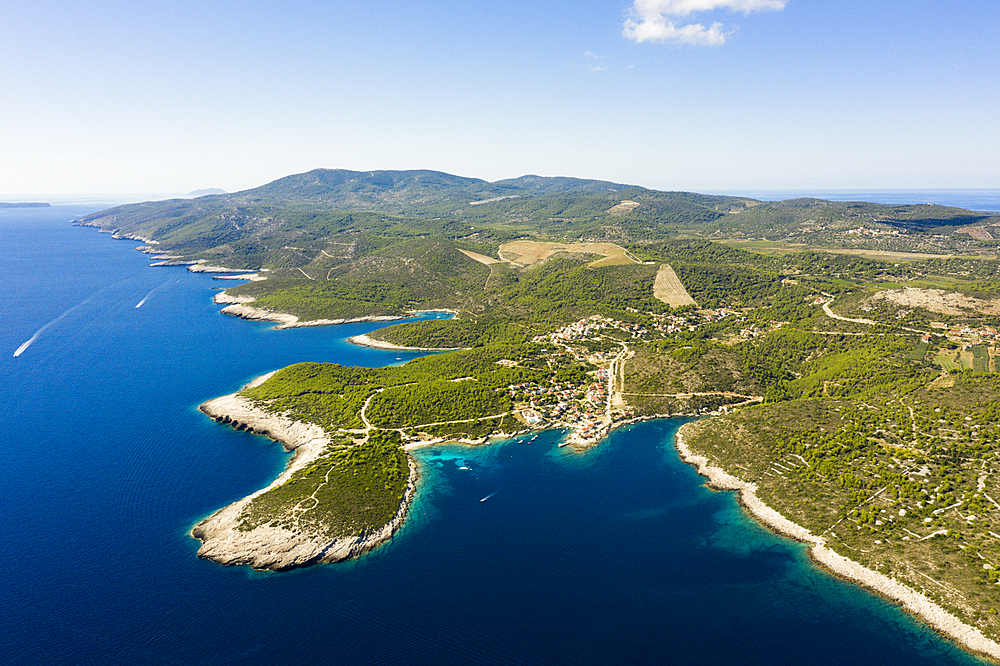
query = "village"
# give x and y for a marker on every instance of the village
(600, 343)
(589, 409)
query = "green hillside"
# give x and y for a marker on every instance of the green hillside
(843, 356)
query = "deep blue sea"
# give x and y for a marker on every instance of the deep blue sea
(619, 555)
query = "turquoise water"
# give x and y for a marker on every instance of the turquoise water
(512, 553)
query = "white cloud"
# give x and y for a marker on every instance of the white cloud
(660, 29)
(654, 20)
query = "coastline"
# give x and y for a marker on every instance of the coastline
(274, 548)
(277, 549)
(366, 341)
(239, 306)
(202, 266)
(917, 604)
(115, 233)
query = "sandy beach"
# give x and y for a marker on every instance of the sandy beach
(968, 637)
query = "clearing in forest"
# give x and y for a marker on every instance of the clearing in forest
(668, 288)
(624, 208)
(939, 300)
(481, 258)
(523, 253)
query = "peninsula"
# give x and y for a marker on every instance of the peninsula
(306, 532)
(842, 356)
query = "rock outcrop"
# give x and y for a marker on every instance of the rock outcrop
(239, 306)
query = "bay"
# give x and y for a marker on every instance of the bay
(618, 554)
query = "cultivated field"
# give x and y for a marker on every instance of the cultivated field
(481, 258)
(523, 253)
(668, 288)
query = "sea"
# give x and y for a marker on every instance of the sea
(519, 552)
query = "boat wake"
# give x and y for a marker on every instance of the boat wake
(20, 350)
(151, 291)
(28, 343)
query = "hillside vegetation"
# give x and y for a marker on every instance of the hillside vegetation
(858, 390)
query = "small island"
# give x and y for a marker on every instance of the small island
(23, 204)
(842, 358)
(208, 191)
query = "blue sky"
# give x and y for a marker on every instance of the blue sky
(159, 96)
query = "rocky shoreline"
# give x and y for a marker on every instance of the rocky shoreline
(919, 605)
(366, 341)
(115, 233)
(239, 306)
(277, 549)
(273, 548)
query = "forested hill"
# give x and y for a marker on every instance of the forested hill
(412, 193)
(446, 205)
(321, 202)
(385, 191)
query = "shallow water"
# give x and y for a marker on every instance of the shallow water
(620, 553)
